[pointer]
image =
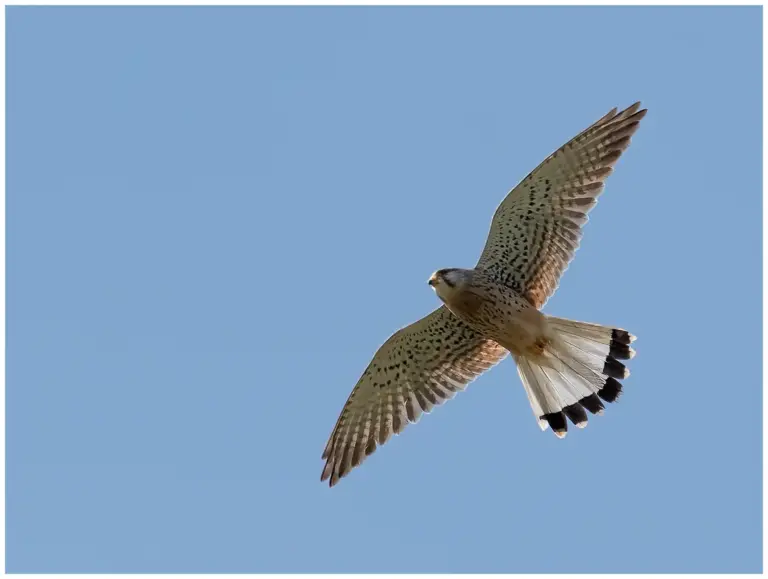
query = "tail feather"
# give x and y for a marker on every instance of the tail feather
(579, 370)
(576, 414)
(593, 404)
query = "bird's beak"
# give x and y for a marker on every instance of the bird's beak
(433, 280)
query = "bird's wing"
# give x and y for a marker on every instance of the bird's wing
(537, 228)
(419, 367)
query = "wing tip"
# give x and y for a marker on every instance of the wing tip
(633, 112)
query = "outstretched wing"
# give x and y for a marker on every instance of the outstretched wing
(419, 367)
(537, 228)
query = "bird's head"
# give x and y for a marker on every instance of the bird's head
(446, 282)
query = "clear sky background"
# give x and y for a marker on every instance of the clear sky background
(216, 216)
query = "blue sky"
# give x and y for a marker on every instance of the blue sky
(216, 216)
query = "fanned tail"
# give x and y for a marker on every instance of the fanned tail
(579, 369)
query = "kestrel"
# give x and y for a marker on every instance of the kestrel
(567, 367)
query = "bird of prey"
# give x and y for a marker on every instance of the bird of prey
(568, 368)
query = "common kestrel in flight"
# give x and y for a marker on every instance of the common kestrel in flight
(567, 367)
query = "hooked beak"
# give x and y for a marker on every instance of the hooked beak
(433, 280)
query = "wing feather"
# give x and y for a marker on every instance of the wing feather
(418, 368)
(537, 228)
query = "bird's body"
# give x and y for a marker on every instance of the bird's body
(493, 309)
(568, 368)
